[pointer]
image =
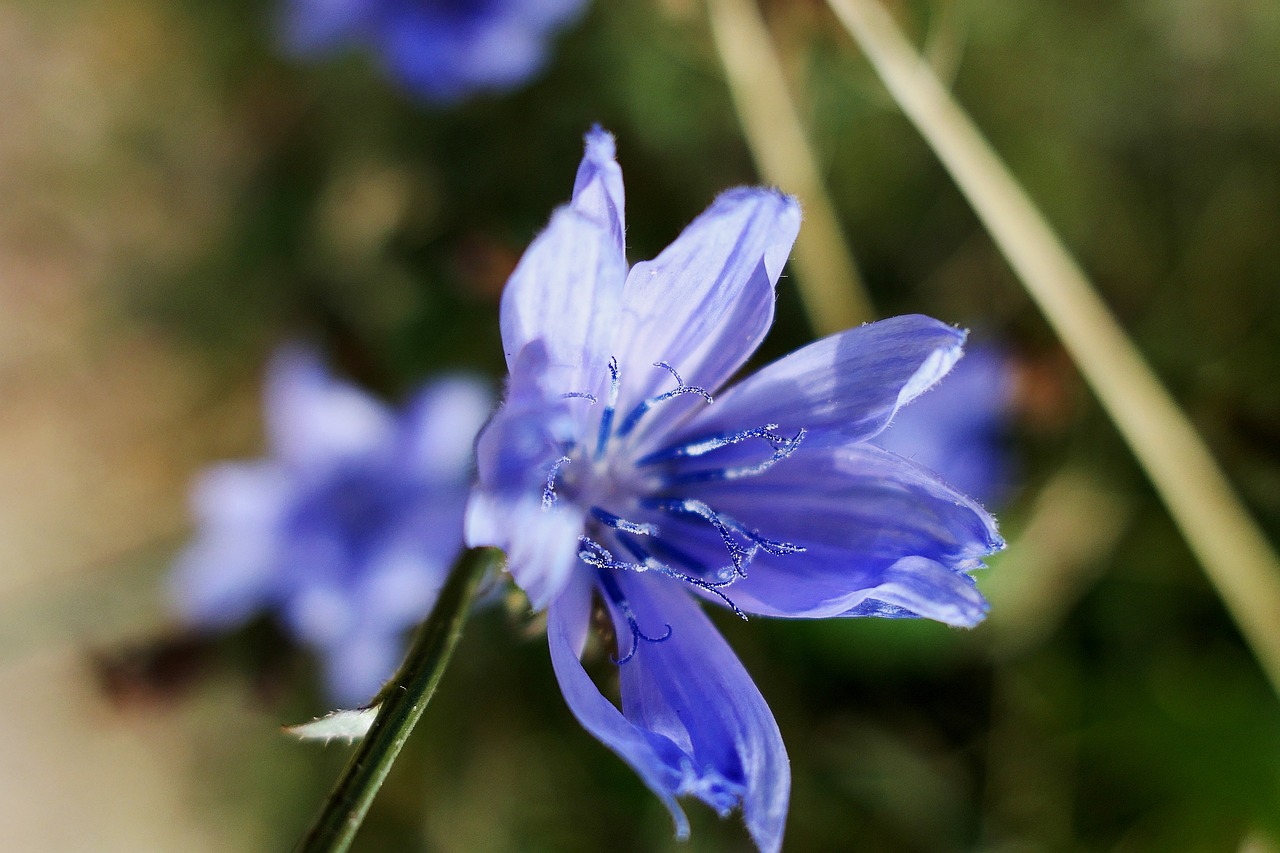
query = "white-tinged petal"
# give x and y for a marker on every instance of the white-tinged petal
(846, 386)
(704, 304)
(564, 293)
(597, 188)
(315, 421)
(540, 543)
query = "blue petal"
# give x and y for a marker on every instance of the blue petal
(231, 570)
(317, 422)
(693, 721)
(959, 428)
(541, 543)
(310, 26)
(597, 189)
(565, 293)
(846, 386)
(873, 525)
(705, 303)
(444, 58)
(440, 427)
(356, 668)
(652, 756)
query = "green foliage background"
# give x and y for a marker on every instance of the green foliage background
(319, 200)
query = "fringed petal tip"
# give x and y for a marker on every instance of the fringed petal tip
(922, 587)
(936, 365)
(599, 145)
(787, 204)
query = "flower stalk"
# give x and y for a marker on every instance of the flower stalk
(1239, 562)
(402, 703)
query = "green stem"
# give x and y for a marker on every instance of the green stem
(403, 701)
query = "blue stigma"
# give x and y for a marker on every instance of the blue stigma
(781, 445)
(614, 592)
(608, 519)
(633, 418)
(549, 490)
(606, 418)
(601, 558)
(726, 526)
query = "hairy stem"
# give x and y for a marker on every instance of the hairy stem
(402, 703)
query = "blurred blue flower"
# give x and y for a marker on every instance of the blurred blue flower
(347, 528)
(960, 428)
(609, 475)
(442, 50)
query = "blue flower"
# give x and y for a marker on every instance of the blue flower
(609, 475)
(442, 50)
(960, 428)
(347, 529)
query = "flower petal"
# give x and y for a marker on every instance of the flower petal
(649, 754)
(692, 688)
(441, 425)
(959, 428)
(232, 569)
(359, 664)
(541, 543)
(223, 578)
(317, 422)
(705, 303)
(693, 721)
(597, 189)
(848, 385)
(565, 292)
(872, 525)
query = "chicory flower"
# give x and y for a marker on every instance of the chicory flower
(618, 471)
(347, 529)
(441, 50)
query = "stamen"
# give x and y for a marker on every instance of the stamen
(608, 519)
(614, 592)
(705, 445)
(726, 526)
(606, 417)
(782, 448)
(599, 557)
(549, 490)
(739, 555)
(643, 406)
(580, 395)
(647, 560)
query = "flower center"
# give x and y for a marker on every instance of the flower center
(626, 500)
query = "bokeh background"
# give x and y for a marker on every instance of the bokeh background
(176, 198)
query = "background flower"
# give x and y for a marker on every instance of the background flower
(442, 50)
(960, 428)
(346, 530)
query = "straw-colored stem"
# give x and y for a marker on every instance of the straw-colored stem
(1237, 558)
(828, 282)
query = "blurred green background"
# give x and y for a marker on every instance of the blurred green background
(177, 199)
